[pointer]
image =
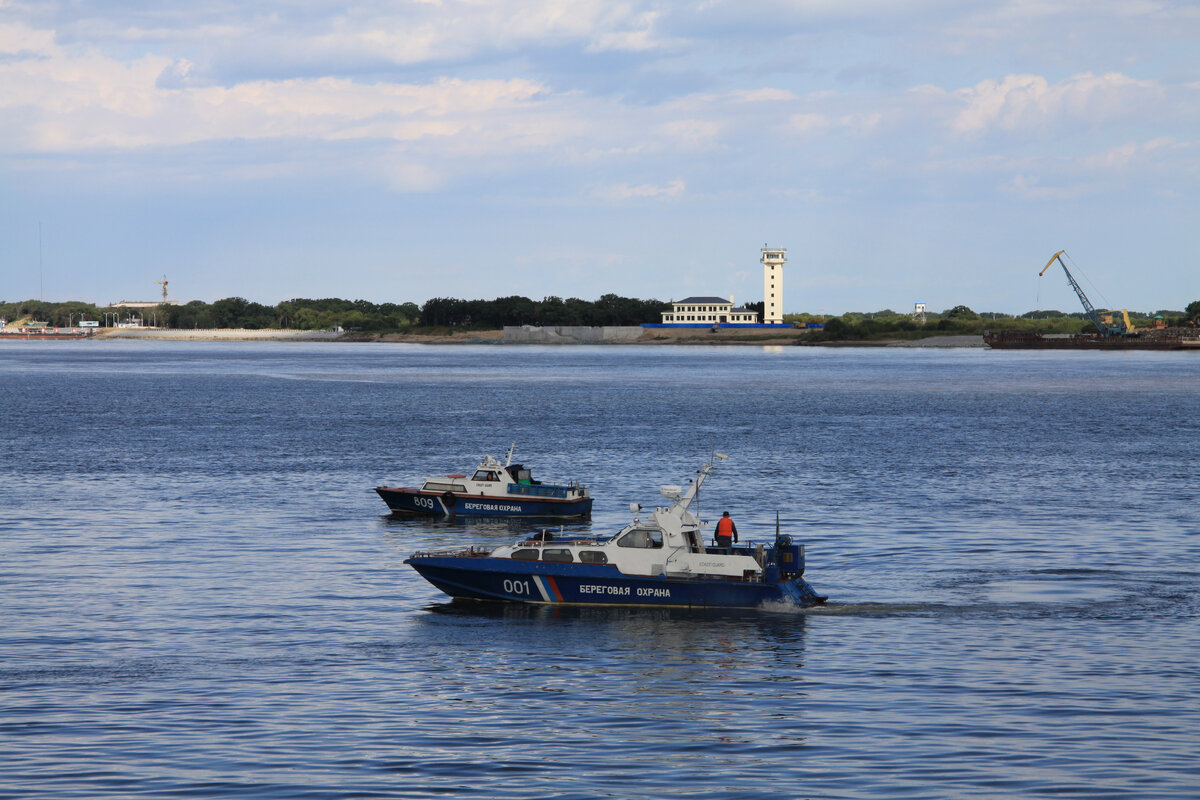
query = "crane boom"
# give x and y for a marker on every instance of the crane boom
(1087, 304)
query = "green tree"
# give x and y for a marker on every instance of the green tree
(960, 313)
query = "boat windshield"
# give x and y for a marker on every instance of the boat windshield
(484, 475)
(437, 486)
(641, 537)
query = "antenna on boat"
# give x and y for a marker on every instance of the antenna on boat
(510, 452)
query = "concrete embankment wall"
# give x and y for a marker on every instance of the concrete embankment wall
(570, 334)
(220, 334)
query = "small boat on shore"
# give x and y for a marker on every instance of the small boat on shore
(493, 490)
(657, 561)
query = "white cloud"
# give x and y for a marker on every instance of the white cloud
(1030, 187)
(60, 101)
(1025, 102)
(766, 95)
(624, 191)
(17, 39)
(809, 123)
(406, 176)
(1134, 154)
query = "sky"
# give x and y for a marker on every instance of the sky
(935, 151)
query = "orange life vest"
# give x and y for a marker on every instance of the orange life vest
(725, 527)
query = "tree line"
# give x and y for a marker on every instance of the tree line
(352, 315)
(961, 320)
(610, 309)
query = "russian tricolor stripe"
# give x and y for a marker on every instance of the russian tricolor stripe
(548, 589)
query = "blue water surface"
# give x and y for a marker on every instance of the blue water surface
(201, 595)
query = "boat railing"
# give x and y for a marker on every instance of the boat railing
(538, 490)
(454, 552)
(553, 542)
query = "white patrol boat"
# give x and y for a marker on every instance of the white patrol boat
(493, 490)
(661, 560)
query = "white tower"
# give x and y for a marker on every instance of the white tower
(773, 259)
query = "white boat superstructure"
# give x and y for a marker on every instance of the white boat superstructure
(668, 542)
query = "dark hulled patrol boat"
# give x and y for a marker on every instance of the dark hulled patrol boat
(493, 490)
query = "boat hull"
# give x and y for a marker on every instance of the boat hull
(479, 577)
(451, 504)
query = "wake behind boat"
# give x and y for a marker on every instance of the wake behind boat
(659, 561)
(493, 490)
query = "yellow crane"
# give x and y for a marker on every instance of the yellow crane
(1105, 325)
(163, 283)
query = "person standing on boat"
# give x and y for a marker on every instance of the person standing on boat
(726, 533)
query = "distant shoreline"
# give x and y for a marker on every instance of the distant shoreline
(648, 336)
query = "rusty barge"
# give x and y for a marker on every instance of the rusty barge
(1168, 339)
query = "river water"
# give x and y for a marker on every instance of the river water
(201, 595)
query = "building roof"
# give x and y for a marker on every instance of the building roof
(705, 300)
(144, 303)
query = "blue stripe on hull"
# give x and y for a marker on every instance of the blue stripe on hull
(582, 584)
(414, 502)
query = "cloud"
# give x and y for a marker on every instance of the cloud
(424, 129)
(636, 34)
(177, 75)
(1029, 102)
(624, 191)
(1132, 154)
(406, 176)
(1030, 187)
(60, 101)
(807, 123)
(21, 40)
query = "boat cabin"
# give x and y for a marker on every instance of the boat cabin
(670, 541)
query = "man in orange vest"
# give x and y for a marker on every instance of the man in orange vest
(726, 533)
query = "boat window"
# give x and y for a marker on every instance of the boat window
(641, 537)
(434, 486)
(525, 555)
(484, 475)
(563, 555)
(592, 557)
